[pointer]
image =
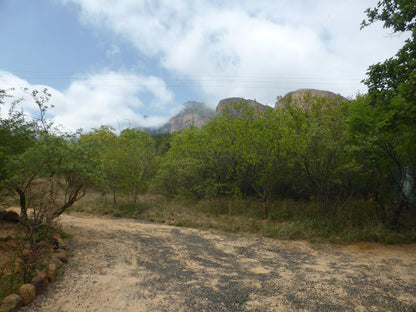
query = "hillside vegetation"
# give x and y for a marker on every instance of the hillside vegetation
(329, 170)
(316, 161)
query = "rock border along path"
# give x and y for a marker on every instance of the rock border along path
(129, 265)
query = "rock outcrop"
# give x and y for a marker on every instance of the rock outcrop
(235, 106)
(194, 114)
(197, 114)
(302, 97)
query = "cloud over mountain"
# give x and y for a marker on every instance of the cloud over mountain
(106, 98)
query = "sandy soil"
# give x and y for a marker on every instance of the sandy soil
(128, 265)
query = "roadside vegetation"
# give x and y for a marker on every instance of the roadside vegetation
(324, 170)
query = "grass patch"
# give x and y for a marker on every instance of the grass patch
(288, 219)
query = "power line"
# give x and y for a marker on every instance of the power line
(345, 84)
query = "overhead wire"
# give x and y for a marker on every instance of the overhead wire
(208, 81)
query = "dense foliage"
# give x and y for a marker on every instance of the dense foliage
(48, 170)
(326, 153)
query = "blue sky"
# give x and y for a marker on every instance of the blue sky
(113, 62)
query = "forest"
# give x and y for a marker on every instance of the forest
(334, 166)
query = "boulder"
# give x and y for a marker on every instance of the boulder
(28, 293)
(11, 303)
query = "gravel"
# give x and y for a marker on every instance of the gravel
(128, 265)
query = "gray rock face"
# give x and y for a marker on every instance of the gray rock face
(228, 105)
(194, 114)
(302, 97)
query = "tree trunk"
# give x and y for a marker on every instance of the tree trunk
(23, 208)
(396, 215)
(265, 208)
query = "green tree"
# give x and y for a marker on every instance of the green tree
(231, 155)
(387, 152)
(48, 167)
(17, 134)
(41, 164)
(162, 143)
(182, 169)
(265, 146)
(395, 77)
(400, 15)
(104, 142)
(325, 154)
(392, 96)
(134, 161)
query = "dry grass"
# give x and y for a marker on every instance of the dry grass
(288, 219)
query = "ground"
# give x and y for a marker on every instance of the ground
(129, 265)
(8, 242)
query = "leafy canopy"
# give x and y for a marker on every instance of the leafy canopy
(397, 75)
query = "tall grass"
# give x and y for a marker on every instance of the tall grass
(288, 219)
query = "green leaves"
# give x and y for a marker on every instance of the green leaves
(395, 76)
(325, 154)
(230, 154)
(400, 15)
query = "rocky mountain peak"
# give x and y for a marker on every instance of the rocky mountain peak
(228, 104)
(300, 97)
(193, 114)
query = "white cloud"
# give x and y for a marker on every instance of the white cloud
(256, 49)
(118, 99)
(113, 51)
(19, 90)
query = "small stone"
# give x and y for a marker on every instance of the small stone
(40, 282)
(45, 276)
(28, 293)
(61, 254)
(51, 270)
(57, 261)
(11, 303)
(58, 242)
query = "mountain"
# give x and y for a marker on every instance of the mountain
(299, 97)
(198, 114)
(228, 104)
(194, 114)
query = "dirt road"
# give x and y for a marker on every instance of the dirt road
(128, 265)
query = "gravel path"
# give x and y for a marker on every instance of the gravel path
(128, 265)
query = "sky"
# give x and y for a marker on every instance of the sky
(130, 63)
